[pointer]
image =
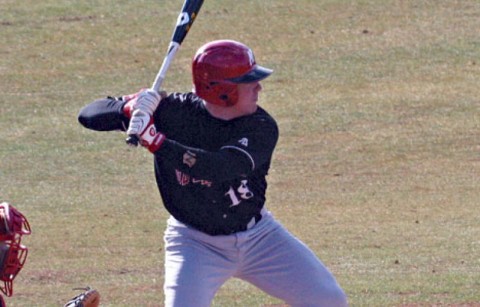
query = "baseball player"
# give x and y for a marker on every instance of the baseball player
(212, 150)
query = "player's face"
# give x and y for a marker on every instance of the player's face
(248, 96)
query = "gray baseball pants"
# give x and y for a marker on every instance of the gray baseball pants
(267, 256)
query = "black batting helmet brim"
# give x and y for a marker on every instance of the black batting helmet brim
(256, 74)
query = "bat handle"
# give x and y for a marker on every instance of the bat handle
(157, 83)
(132, 140)
(172, 50)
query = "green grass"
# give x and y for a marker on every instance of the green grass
(377, 166)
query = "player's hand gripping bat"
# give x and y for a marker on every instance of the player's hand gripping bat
(185, 20)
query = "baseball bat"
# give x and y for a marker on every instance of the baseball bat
(185, 20)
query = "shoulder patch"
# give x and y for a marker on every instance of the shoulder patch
(189, 158)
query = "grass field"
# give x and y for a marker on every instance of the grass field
(377, 167)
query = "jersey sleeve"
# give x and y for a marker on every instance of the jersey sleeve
(104, 115)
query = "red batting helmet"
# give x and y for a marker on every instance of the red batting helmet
(219, 66)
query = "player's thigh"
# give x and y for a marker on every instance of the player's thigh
(286, 268)
(193, 272)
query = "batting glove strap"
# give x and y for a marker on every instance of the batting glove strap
(151, 139)
(156, 142)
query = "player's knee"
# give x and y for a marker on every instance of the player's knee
(332, 297)
(186, 299)
(338, 298)
(335, 297)
(187, 295)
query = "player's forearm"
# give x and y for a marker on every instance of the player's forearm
(104, 115)
(215, 166)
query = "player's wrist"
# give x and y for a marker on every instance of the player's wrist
(131, 103)
(156, 142)
(149, 137)
(127, 109)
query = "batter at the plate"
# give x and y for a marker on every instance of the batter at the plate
(212, 150)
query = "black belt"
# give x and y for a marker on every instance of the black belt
(239, 228)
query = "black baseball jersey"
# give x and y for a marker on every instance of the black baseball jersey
(210, 172)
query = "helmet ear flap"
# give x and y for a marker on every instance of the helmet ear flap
(230, 97)
(227, 94)
(219, 93)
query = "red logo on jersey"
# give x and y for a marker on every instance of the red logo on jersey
(185, 179)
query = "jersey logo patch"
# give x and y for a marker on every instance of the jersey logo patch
(244, 142)
(189, 158)
(185, 179)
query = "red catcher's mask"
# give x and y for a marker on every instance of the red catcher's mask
(13, 225)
